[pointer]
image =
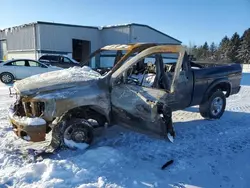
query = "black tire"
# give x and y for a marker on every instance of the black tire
(207, 109)
(91, 115)
(77, 130)
(6, 78)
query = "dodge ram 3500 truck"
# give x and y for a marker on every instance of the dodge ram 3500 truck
(73, 102)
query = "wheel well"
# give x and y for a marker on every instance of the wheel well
(223, 86)
(8, 73)
(86, 112)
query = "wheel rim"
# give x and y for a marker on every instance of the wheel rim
(76, 134)
(6, 78)
(217, 105)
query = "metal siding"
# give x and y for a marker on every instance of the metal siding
(21, 38)
(59, 38)
(18, 55)
(37, 34)
(119, 35)
(2, 35)
(145, 34)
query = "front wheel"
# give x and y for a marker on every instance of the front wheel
(7, 78)
(214, 107)
(76, 134)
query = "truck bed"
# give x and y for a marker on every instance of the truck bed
(205, 76)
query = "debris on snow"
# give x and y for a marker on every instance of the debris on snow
(167, 164)
(170, 137)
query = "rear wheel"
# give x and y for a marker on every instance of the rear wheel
(6, 78)
(214, 107)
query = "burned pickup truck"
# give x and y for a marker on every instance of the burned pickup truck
(72, 103)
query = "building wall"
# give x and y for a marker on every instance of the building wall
(2, 35)
(146, 34)
(17, 55)
(115, 35)
(19, 40)
(33, 40)
(58, 38)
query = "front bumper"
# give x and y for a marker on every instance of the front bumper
(29, 129)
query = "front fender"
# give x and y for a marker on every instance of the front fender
(67, 99)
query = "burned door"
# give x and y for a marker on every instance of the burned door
(135, 107)
(183, 84)
(134, 103)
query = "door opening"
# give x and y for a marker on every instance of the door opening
(81, 49)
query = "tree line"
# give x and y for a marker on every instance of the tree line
(234, 49)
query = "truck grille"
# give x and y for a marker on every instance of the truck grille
(33, 109)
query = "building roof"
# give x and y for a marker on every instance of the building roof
(109, 26)
(142, 25)
(92, 27)
(67, 25)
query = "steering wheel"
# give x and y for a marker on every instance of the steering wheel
(130, 79)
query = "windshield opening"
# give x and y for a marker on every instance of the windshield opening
(106, 59)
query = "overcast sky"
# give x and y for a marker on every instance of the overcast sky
(193, 21)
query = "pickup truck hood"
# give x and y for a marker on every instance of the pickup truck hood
(55, 80)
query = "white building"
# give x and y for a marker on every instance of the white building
(34, 39)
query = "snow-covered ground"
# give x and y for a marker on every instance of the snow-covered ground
(205, 153)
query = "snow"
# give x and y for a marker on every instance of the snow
(205, 153)
(110, 26)
(246, 68)
(29, 121)
(57, 79)
(72, 144)
(35, 121)
(72, 73)
(26, 138)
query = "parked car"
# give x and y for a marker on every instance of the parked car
(59, 61)
(66, 100)
(22, 68)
